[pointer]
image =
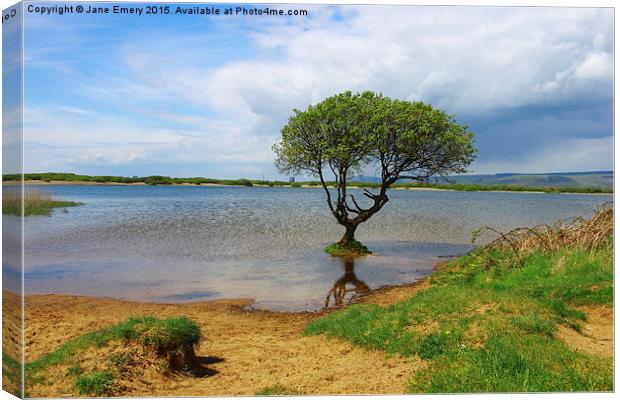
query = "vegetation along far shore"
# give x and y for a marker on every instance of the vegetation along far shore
(70, 178)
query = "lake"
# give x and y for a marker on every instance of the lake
(186, 243)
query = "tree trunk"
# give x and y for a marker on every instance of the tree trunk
(349, 235)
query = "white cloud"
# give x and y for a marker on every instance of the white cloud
(468, 60)
(78, 137)
(596, 66)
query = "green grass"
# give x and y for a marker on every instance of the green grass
(277, 390)
(166, 334)
(354, 248)
(97, 383)
(487, 325)
(166, 180)
(34, 202)
(12, 370)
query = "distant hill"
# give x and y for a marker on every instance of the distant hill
(598, 179)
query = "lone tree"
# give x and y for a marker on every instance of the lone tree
(348, 133)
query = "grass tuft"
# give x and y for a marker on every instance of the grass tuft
(97, 383)
(166, 334)
(532, 323)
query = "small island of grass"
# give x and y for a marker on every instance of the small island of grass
(352, 249)
(35, 203)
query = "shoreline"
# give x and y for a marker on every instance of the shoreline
(382, 293)
(88, 183)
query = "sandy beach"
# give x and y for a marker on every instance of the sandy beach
(244, 351)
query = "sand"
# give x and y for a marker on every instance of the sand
(244, 351)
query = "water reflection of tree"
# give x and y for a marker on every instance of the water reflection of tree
(340, 289)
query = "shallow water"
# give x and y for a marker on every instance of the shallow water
(184, 243)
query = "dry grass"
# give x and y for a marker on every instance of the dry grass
(590, 234)
(36, 202)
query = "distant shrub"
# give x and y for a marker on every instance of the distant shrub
(158, 180)
(296, 184)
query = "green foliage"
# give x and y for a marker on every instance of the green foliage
(353, 248)
(157, 180)
(149, 180)
(296, 184)
(348, 131)
(485, 326)
(277, 390)
(97, 383)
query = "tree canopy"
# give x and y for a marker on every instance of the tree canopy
(348, 133)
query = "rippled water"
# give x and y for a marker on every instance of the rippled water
(185, 243)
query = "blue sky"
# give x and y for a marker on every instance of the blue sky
(184, 95)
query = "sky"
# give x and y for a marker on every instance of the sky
(191, 95)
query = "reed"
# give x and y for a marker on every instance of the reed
(590, 234)
(35, 202)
